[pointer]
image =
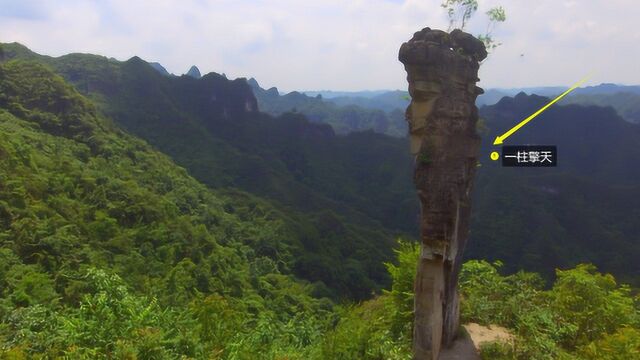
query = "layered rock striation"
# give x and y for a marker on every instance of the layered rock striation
(442, 71)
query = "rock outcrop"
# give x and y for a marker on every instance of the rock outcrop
(442, 71)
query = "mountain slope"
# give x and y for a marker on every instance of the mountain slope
(340, 194)
(585, 210)
(107, 248)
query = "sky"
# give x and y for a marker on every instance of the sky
(334, 44)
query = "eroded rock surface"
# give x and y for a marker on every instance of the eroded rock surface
(442, 71)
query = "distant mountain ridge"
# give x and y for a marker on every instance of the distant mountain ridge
(388, 101)
(342, 118)
(625, 99)
(330, 94)
(492, 95)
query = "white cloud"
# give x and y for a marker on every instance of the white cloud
(332, 44)
(564, 41)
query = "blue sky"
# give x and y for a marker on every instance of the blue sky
(333, 44)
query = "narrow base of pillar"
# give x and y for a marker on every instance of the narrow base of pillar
(429, 291)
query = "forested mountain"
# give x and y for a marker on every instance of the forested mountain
(343, 116)
(586, 209)
(108, 248)
(343, 198)
(346, 196)
(595, 174)
(624, 99)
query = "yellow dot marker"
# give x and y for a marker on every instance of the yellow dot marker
(494, 156)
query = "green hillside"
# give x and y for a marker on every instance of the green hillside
(339, 195)
(107, 247)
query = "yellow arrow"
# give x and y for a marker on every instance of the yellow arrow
(501, 138)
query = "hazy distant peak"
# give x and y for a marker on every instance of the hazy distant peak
(135, 59)
(194, 72)
(161, 69)
(521, 96)
(253, 83)
(521, 100)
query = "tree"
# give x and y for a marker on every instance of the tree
(461, 11)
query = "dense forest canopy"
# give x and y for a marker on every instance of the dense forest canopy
(110, 248)
(337, 194)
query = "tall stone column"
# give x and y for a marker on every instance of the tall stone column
(442, 71)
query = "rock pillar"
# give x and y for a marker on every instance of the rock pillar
(442, 71)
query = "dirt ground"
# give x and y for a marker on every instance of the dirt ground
(467, 347)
